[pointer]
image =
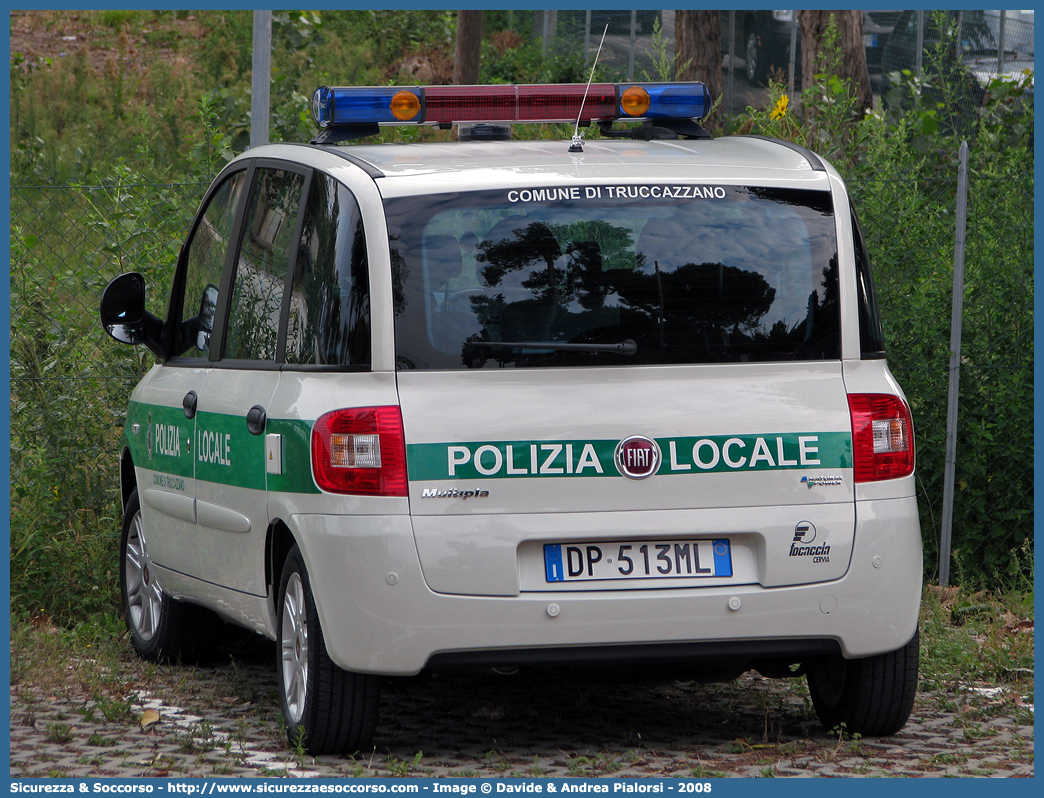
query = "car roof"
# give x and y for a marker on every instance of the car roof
(456, 165)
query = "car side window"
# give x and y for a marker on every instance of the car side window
(329, 319)
(261, 266)
(871, 335)
(204, 261)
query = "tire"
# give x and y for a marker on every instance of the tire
(754, 59)
(871, 697)
(161, 628)
(328, 710)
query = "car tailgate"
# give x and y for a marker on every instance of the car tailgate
(497, 459)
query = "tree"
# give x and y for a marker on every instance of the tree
(853, 52)
(697, 47)
(469, 48)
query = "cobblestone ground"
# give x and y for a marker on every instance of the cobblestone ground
(223, 721)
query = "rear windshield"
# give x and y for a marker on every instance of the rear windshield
(612, 276)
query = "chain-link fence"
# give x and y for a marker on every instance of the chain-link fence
(70, 383)
(910, 228)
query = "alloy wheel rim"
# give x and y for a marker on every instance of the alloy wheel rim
(294, 648)
(144, 595)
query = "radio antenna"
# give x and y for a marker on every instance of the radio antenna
(577, 144)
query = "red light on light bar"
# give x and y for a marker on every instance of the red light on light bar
(448, 104)
(554, 103)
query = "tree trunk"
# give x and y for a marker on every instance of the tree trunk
(852, 66)
(697, 48)
(469, 48)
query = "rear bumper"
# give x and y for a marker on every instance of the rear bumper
(379, 616)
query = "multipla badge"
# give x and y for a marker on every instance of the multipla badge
(638, 457)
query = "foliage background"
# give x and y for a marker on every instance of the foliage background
(145, 107)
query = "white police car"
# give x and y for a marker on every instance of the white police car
(501, 403)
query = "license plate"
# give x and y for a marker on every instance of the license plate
(644, 559)
(869, 40)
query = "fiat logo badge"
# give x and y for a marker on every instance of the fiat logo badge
(637, 457)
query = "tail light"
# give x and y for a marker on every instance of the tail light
(360, 450)
(882, 437)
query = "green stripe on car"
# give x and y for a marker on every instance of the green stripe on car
(580, 458)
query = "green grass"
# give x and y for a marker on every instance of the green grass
(701, 772)
(58, 733)
(991, 643)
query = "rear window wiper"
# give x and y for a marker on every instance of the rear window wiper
(627, 347)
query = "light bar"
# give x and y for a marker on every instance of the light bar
(431, 105)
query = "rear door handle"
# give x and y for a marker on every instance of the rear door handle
(189, 404)
(256, 418)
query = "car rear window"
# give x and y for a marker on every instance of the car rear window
(613, 275)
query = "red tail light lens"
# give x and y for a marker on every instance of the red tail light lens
(882, 437)
(361, 451)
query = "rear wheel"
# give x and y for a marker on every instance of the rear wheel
(161, 628)
(872, 696)
(327, 709)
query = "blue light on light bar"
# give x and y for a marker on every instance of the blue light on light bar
(337, 106)
(674, 100)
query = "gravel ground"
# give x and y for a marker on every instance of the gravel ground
(223, 721)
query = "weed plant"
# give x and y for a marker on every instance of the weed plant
(901, 168)
(67, 413)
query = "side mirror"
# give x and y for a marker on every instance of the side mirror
(123, 308)
(123, 313)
